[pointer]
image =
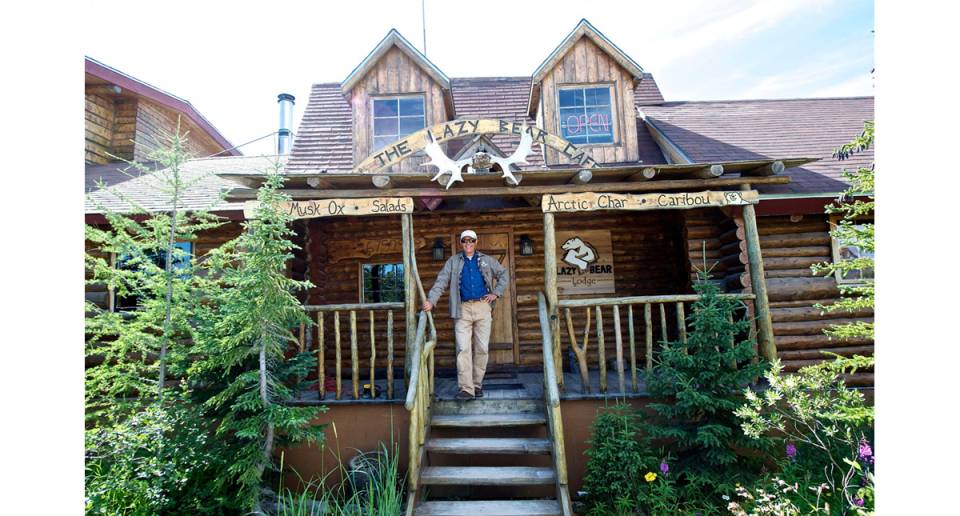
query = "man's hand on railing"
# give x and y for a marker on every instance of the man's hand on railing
(427, 306)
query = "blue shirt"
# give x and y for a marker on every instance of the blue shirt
(472, 286)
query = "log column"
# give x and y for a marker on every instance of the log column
(758, 282)
(550, 289)
(409, 294)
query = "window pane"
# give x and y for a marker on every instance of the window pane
(572, 122)
(385, 107)
(385, 126)
(597, 96)
(571, 97)
(598, 120)
(410, 124)
(576, 140)
(380, 142)
(411, 106)
(382, 283)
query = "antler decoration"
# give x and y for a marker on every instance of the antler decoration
(519, 156)
(445, 165)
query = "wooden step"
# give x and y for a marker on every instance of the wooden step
(486, 476)
(490, 508)
(489, 445)
(487, 420)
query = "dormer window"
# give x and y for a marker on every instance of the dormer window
(396, 117)
(586, 114)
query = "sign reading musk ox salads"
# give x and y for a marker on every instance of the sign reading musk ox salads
(585, 262)
(338, 207)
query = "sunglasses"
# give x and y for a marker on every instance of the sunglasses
(468, 241)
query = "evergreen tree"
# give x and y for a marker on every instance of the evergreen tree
(248, 367)
(700, 383)
(852, 232)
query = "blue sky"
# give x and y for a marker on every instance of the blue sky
(230, 60)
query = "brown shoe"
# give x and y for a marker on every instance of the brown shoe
(477, 392)
(463, 396)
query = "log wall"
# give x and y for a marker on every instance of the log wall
(584, 64)
(789, 248)
(394, 74)
(99, 118)
(155, 124)
(648, 259)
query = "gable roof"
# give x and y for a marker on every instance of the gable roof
(110, 75)
(583, 29)
(717, 131)
(324, 139)
(394, 39)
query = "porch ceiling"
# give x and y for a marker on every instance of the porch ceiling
(307, 185)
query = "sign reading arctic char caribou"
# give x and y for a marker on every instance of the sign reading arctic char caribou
(585, 262)
(591, 201)
(423, 138)
(338, 207)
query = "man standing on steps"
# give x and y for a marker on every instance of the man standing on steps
(477, 281)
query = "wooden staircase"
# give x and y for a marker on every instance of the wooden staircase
(482, 450)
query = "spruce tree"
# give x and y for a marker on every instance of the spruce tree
(249, 368)
(700, 384)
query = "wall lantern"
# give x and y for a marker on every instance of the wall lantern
(526, 245)
(438, 250)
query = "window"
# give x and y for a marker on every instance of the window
(585, 115)
(381, 283)
(394, 118)
(181, 258)
(851, 252)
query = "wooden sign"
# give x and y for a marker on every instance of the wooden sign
(338, 207)
(591, 201)
(418, 141)
(585, 262)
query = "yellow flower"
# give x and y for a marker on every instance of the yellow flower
(650, 476)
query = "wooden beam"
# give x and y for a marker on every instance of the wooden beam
(708, 172)
(550, 287)
(409, 296)
(381, 181)
(770, 169)
(320, 184)
(524, 191)
(767, 345)
(581, 178)
(644, 175)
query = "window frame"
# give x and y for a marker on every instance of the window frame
(614, 111)
(112, 297)
(360, 282)
(835, 251)
(373, 98)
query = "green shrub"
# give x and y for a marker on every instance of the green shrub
(824, 433)
(618, 456)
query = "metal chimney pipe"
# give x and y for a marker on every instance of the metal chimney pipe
(284, 133)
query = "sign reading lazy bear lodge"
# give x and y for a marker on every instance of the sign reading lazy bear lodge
(585, 262)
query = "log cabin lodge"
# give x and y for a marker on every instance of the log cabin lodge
(599, 197)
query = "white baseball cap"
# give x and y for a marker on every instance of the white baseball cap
(468, 233)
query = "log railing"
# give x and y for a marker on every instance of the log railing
(668, 312)
(551, 396)
(356, 334)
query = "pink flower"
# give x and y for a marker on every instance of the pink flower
(791, 451)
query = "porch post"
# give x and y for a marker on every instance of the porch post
(550, 289)
(409, 294)
(758, 282)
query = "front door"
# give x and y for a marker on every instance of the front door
(504, 349)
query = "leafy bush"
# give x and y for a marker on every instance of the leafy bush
(618, 456)
(701, 383)
(825, 432)
(158, 460)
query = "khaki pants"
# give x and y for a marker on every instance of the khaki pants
(473, 341)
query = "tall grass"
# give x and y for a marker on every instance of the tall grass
(382, 494)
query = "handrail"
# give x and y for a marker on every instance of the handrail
(353, 306)
(637, 300)
(415, 371)
(549, 372)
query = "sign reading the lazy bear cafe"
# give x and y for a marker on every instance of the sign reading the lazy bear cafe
(585, 262)
(591, 201)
